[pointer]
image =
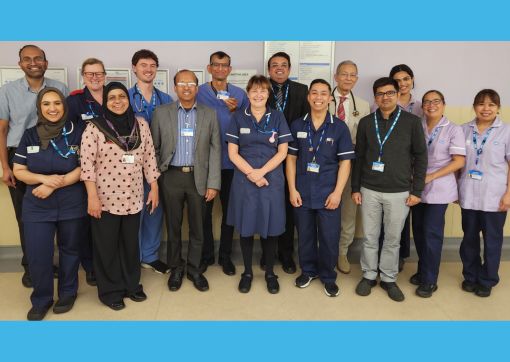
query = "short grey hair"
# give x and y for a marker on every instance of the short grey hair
(345, 62)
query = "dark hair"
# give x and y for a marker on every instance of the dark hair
(433, 91)
(91, 61)
(258, 80)
(401, 68)
(31, 46)
(219, 55)
(144, 54)
(184, 71)
(381, 82)
(319, 81)
(487, 93)
(279, 54)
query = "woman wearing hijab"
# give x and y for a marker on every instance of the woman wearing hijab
(54, 203)
(116, 149)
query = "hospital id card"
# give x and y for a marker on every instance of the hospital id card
(475, 175)
(85, 116)
(313, 167)
(378, 166)
(223, 94)
(302, 135)
(32, 149)
(128, 159)
(187, 132)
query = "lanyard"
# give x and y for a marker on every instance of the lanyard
(320, 139)
(433, 136)
(216, 91)
(69, 150)
(278, 106)
(119, 137)
(480, 150)
(92, 113)
(143, 104)
(381, 144)
(266, 123)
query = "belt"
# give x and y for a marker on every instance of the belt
(185, 169)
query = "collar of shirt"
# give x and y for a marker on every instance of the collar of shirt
(193, 107)
(337, 95)
(246, 111)
(308, 119)
(411, 103)
(442, 123)
(276, 85)
(497, 123)
(391, 117)
(25, 83)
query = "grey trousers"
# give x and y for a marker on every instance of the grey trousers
(373, 205)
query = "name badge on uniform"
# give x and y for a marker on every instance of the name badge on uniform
(475, 175)
(85, 116)
(223, 94)
(302, 135)
(187, 132)
(378, 166)
(330, 141)
(128, 159)
(313, 167)
(245, 131)
(32, 149)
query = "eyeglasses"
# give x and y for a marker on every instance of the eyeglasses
(405, 79)
(186, 84)
(29, 60)
(220, 65)
(389, 94)
(434, 102)
(94, 74)
(348, 75)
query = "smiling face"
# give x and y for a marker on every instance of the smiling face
(186, 88)
(258, 96)
(33, 63)
(219, 68)
(93, 77)
(346, 78)
(486, 110)
(386, 98)
(433, 106)
(279, 69)
(405, 82)
(145, 70)
(319, 97)
(52, 107)
(117, 101)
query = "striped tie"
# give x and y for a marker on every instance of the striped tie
(341, 110)
(279, 95)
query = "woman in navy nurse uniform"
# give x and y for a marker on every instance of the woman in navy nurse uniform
(55, 202)
(258, 138)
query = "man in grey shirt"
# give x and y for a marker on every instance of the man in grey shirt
(17, 113)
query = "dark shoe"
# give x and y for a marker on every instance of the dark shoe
(26, 280)
(199, 282)
(38, 313)
(393, 291)
(245, 283)
(118, 305)
(303, 281)
(331, 289)
(175, 280)
(272, 283)
(64, 304)
(139, 296)
(468, 286)
(365, 286)
(157, 266)
(483, 291)
(90, 277)
(401, 263)
(227, 267)
(288, 265)
(263, 262)
(415, 279)
(204, 264)
(426, 290)
(55, 272)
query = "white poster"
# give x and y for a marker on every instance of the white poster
(10, 73)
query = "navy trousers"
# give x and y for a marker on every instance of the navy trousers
(491, 225)
(318, 238)
(428, 232)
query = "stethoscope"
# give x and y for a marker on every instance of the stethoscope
(141, 101)
(355, 112)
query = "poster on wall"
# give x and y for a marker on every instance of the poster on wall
(10, 73)
(122, 75)
(240, 77)
(309, 59)
(198, 72)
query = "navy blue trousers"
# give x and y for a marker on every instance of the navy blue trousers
(491, 225)
(39, 246)
(318, 238)
(428, 232)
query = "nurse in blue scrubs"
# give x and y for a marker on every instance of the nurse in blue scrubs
(54, 204)
(257, 145)
(318, 166)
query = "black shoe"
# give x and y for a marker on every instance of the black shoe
(139, 296)
(118, 305)
(157, 266)
(38, 313)
(468, 286)
(483, 291)
(245, 283)
(272, 283)
(415, 279)
(26, 280)
(64, 304)
(199, 282)
(263, 262)
(365, 286)
(90, 277)
(426, 290)
(331, 289)
(393, 291)
(204, 264)
(303, 281)
(227, 266)
(175, 280)
(288, 265)
(401, 263)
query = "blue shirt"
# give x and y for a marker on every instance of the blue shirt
(186, 132)
(207, 96)
(143, 107)
(336, 145)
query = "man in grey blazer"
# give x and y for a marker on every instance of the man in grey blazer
(188, 150)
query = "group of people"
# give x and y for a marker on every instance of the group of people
(101, 167)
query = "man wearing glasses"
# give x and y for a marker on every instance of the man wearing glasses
(17, 113)
(225, 98)
(187, 141)
(388, 178)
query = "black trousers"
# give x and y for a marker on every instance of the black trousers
(178, 188)
(286, 240)
(227, 231)
(116, 255)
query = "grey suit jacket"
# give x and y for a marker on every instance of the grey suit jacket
(207, 167)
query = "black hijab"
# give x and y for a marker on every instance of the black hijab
(47, 130)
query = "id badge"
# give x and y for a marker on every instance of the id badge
(187, 132)
(223, 94)
(313, 167)
(475, 175)
(244, 131)
(378, 166)
(32, 149)
(85, 116)
(302, 135)
(128, 159)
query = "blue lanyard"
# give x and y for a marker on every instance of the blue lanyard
(266, 123)
(381, 144)
(433, 136)
(92, 113)
(278, 106)
(69, 150)
(480, 150)
(320, 139)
